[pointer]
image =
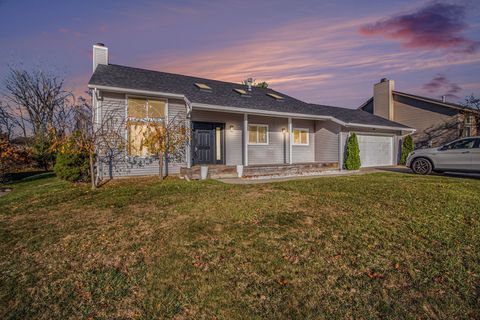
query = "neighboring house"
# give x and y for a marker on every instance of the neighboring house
(233, 124)
(436, 122)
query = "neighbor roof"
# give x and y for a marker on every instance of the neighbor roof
(223, 94)
(427, 99)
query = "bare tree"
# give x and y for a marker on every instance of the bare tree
(166, 140)
(39, 101)
(103, 141)
(7, 121)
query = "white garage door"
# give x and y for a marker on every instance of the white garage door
(375, 150)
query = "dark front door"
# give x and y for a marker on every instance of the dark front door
(207, 143)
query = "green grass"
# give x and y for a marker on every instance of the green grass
(382, 245)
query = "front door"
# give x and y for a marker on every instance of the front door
(207, 143)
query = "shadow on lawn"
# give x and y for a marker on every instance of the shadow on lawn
(27, 176)
(405, 170)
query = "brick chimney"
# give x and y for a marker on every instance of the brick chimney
(383, 98)
(100, 55)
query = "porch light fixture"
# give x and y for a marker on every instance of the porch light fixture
(231, 128)
(284, 130)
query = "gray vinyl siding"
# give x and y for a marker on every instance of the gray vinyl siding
(435, 125)
(302, 154)
(275, 152)
(326, 141)
(233, 136)
(114, 105)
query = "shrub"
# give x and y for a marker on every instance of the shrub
(71, 164)
(12, 157)
(352, 157)
(407, 147)
(42, 152)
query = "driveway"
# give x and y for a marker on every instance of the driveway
(405, 170)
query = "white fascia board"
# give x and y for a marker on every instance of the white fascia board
(202, 106)
(352, 124)
(142, 92)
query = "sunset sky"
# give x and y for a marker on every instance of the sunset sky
(327, 52)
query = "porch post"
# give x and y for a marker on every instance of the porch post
(340, 150)
(290, 137)
(188, 152)
(245, 139)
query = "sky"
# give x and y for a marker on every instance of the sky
(326, 52)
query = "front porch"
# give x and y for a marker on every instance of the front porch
(255, 171)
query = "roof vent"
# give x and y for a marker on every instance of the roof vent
(203, 87)
(249, 83)
(276, 96)
(444, 99)
(383, 79)
(242, 92)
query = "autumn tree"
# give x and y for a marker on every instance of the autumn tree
(166, 140)
(262, 84)
(97, 140)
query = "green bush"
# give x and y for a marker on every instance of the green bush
(42, 153)
(72, 164)
(407, 147)
(72, 167)
(352, 157)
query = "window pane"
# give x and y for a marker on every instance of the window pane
(135, 138)
(156, 108)
(262, 134)
(137, 107)
(304, 137)
(252, 134)
(296, 136)
(463, 144)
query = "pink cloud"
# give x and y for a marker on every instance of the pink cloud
(435, 26)
(442, 86)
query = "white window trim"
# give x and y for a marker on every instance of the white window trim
(308, 137)
(257, 143)
(127, 118)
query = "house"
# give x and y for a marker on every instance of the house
(436, 121)
(233, 124)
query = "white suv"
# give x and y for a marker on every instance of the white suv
(461, 155)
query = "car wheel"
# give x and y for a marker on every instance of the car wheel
(421, 166)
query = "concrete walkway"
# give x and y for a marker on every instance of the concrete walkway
(396, 169)
(288, 178)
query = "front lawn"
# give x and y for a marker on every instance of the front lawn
(383, 245)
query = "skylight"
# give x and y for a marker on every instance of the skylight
(203, 86)
(275, 96)
(242, 92)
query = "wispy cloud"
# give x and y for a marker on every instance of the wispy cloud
(311, 59)
(435, 26)
(440, 84)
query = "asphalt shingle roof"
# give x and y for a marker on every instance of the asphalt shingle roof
(223, 94)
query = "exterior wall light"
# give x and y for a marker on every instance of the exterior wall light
(284, 130)
(231, 128)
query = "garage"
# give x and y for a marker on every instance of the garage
(375, 150)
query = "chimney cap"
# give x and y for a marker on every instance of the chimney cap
(100, 44)
(383, 79)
